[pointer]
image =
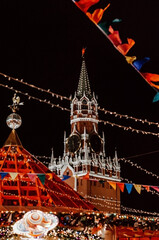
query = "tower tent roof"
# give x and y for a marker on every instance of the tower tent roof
(83, 84)
(25, 181)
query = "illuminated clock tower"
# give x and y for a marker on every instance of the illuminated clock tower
(84, 161)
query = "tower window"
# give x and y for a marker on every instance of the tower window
(84, 104)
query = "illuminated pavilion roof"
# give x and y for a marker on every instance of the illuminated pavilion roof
(27, 182)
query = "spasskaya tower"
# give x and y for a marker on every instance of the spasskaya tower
(84, 161)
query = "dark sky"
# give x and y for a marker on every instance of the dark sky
(41, 42)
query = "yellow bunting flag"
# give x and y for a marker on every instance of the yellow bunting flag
(121, 186)
(147, 187)
(49, 176)
(130, 60)
(13, 175)
(138, 188)
(113, 184)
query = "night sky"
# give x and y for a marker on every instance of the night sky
(41, 42)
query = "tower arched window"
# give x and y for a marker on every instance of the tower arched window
(84, 104)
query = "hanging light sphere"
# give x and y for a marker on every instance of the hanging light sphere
(14, 121)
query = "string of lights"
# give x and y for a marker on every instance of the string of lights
(139, 211)
(129, 128)
(128, 117)
(35, 87)
(66, 109)
(138, 167)
(61, 97)
(34, 98)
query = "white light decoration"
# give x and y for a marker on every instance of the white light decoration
(35, 224)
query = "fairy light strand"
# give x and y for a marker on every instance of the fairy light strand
(66, 109)
(35, 98)
(128, 117)
(35, 87)
(138, 167)
(129, 128)
(61, 97)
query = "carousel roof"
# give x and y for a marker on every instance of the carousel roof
(25, 181)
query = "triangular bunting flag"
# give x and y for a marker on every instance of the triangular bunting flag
(50, 175)
(42, 178)
(101, 181)
(147, 187)
(86, 176)
(128, 187)
(156, 97)
(156, 188)
(152, 78)
(121, 186)
(32, 176)
(105, 25)
(114, 36)
(21, 175)
(130, 60)
(138, 188)
(113, 184)
(3, 174)
(139, 63)
(97, 15)
(65, 177)
(124, 48)
(13, 175)
(84, 5)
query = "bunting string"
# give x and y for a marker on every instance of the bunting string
(113, 36)
(113, 184)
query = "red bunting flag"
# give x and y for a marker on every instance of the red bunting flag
(114, 36)
(155, 188)
(86, 176)
(150, 78)
(147, 187)
(32, 176)
(124, 48)
(84, 5)
(97, 15)
(121, 186)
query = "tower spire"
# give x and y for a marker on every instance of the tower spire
(83, 84)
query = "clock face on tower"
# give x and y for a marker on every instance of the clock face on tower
(95, 142)
(73, 143)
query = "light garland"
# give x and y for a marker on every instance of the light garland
(35, 98)
(66, 109)
(128, 117)
(139, 211)
(138, 167)
(35, 87)
(61, 97)
(129, 128)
